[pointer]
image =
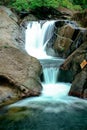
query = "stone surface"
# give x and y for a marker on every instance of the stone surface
(72, 63)
(66, 12)
(66, 31)
(20, 72)
(11, 32)
(62, 45)
(81, 18)
(67, 38)
(63, 38)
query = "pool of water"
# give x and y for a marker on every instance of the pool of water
(47, 112)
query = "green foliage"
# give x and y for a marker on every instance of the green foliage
(68, 4)
(21, 4)
(82, 3)
(32, 4)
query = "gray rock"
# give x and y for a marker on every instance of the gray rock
(19, 72)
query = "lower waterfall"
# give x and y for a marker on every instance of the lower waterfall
(53, 109)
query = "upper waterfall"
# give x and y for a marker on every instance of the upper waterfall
(37, 36)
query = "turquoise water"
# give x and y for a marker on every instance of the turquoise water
(47, 112)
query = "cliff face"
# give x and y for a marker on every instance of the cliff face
(19, 72)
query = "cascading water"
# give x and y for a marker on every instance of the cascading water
(50, 75)
(54, 109)
(37, 35)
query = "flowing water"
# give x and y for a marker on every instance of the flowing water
(53, 109)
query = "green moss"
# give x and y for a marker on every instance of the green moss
(18, 113)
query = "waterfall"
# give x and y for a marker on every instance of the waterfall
(50, 75)
(37, 36)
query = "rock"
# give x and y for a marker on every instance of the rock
(64, 38)
(66, 31)
(11, 32)
(72, 63)
(68, 38)
(79, 85)
(85, 94)
(19, 74)
(81, 18)
(79, 37)
(62, 45)
(67, 13)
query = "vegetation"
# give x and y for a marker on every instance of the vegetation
(32, 4)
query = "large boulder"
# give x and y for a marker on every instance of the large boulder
(19, 74)
(11, 33)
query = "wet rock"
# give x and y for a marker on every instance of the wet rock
(79, 37)
(85, 94)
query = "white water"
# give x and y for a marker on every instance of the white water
(37, 36)
(50, 75)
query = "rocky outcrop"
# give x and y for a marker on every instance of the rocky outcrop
(81, 18)
(19, 72)
(62, 45)
(68, 38)
(11, 33)
(67, 13)
(73, 63)
(79, 85)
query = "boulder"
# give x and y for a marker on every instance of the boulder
(79, 85)
(11, 33)
(64, 38)
(67, 38)
(62, 45)
(81, 17)
(19, 74)
(66, 31)
(67, 13)
(73, 63)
